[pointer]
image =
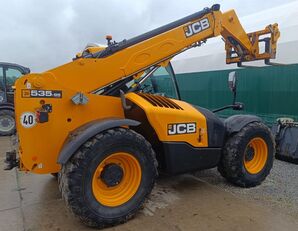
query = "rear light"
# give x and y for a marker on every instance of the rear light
(42, 115)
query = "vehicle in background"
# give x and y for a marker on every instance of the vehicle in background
(9, 73)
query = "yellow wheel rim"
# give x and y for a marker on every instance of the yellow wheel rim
(256, 154)
(129, 182)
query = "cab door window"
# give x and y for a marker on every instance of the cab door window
(11, 76)
(161, 82)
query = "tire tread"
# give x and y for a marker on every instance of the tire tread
(231, 164)
(71, 173)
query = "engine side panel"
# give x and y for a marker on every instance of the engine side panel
(175, 153)
(172, 120)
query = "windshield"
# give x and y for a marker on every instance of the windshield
(162, 82)
(155, 80)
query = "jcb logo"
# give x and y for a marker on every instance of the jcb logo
(182, 128)
(196, 27)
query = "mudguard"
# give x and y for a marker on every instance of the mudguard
(85, 132)
(236, 122)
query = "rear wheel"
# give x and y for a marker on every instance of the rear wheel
(108, 178)
(7, 123)
(248, 155)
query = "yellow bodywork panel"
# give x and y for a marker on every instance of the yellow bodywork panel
(161, 118)
(40, 144)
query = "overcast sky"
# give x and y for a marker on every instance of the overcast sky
(45, 34)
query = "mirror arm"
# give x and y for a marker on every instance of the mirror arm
(222, 108)
(236, 106)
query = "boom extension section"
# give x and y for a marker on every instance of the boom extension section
(194, 30)
(106, 65)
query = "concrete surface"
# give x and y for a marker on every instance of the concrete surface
(33, 202)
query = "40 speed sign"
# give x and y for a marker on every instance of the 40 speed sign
(28, 119)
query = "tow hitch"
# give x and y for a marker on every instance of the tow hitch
(11, 160)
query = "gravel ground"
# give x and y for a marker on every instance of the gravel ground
(279, 190)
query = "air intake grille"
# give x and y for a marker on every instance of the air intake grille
(160, 101)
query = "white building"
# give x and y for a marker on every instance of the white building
(211, 56)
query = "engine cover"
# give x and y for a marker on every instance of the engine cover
(171, 120)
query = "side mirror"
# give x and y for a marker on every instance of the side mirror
(232, 81)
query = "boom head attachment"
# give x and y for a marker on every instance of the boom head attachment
(263, 46)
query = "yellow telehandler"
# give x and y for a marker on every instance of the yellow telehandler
(104, 124)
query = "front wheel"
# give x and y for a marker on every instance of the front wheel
(248, 155)
(7, 123)
(108, 178)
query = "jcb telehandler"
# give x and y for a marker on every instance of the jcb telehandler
(100, 124)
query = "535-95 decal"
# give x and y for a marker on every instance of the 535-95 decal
(28, 93)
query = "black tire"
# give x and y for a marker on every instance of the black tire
(232, 163)
(75, 179)
(7, 129)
